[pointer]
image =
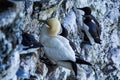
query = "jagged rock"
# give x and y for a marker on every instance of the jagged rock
(15, 14)
(9, 56)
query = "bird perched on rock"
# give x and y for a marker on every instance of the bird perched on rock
(6, 5)
(57, 48)
(72, 44)
(64, 32)
(87, 10)
(92, 23)
(30, 41)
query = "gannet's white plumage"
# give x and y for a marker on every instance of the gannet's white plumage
(56, 47)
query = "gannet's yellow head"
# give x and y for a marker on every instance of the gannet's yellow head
(54, 26)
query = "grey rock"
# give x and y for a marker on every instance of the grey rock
(26, 15)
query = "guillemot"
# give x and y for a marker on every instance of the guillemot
(92, 23)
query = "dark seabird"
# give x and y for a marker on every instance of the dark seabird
(93, 28)
(64, 31)
(92, 23)
(72, 44)
(30, 41)
(6, 5)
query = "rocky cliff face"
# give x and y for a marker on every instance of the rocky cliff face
(17, 63)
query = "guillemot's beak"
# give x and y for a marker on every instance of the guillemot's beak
(80, 8)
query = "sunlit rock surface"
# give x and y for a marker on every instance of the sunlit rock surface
(19, 64)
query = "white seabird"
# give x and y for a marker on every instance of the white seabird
(57, 48)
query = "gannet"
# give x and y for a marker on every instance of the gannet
(57, 48)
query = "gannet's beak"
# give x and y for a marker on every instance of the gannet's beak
(43, 21)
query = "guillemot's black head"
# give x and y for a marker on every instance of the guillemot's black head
(87, 18)
(87, 10)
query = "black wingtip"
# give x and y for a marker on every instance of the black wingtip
(80, 61)
(97, 40)
(74, 66)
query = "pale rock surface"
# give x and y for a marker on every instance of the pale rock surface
(105, 57)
